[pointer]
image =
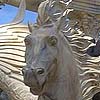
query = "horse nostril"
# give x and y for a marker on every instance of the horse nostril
(40, 71)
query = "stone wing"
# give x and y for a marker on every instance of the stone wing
(12, 51)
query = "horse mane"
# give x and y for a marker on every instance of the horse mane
(88, 66)
(69, 68)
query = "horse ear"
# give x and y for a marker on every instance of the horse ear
(30, 26)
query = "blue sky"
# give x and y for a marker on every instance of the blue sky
(8, 12)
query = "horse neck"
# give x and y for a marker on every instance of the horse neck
(66, 86)
(68, 79)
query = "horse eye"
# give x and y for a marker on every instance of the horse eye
(27, 41)
(40, 71)
(52, 41)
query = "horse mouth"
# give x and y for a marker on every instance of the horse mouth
(35, 91)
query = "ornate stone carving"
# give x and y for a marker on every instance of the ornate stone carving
(12, 60)
(90, 25)
(90, 6)
(50, 66)
(79, 39)
(87, 19)
(75, 33)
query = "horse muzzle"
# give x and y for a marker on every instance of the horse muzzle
(31, 79)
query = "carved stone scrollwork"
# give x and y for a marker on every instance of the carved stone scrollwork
(90, 25)
(87, 22)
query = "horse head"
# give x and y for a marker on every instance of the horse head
(41, 58)
(50, 65)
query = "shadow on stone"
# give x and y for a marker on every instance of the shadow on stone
(96, 96)
(94, 51)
